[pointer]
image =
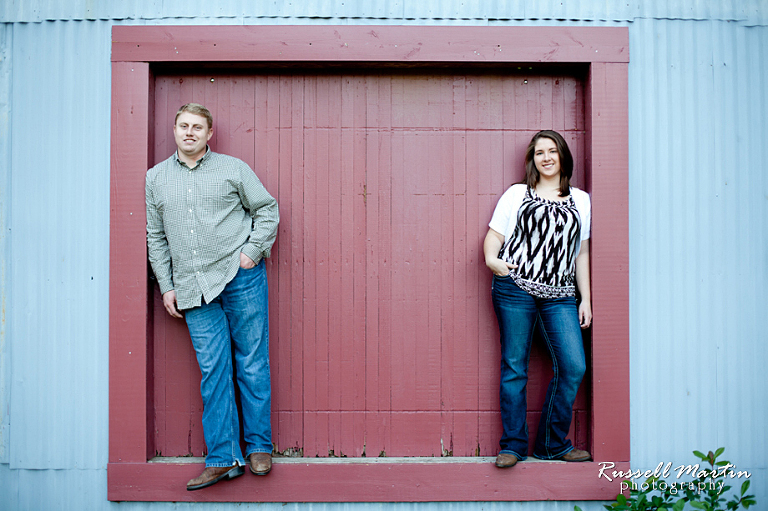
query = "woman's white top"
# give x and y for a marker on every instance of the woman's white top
(543, 238)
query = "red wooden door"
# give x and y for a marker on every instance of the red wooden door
(383, 337)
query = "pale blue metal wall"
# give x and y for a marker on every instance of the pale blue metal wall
(698, 116)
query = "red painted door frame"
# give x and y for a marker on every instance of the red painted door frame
(135, 50)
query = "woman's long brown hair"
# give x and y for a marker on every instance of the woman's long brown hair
(566, 162)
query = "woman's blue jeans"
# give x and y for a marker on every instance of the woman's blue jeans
(235, 322)
(517, 313)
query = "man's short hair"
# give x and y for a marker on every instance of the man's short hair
(197, 109)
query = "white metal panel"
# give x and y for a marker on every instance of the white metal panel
(698, 243)
(78, 490)
(749, 11)
(60, 241)
(741, 179)
(6, 37)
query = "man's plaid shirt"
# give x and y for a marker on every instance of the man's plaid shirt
(199, 220)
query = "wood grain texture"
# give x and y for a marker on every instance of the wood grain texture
(610, 264)
(385, 183)
(369, 482)
(258, 114)
(369, 43)
(128, 273)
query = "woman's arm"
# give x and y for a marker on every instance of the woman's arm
(582, 282)
(491, 246)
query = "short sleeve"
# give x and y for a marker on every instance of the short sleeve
(505, 215)
(500, 218)
(584, 207)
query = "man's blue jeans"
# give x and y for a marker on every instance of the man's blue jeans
(517, 313)
(238, 314)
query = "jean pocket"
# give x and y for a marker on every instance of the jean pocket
(261, 260)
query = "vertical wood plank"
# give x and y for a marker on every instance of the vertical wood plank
(346, 227)
(464, 430)
(471, 247)
(378, 430)
(608, 130)
(324, 199)
(400, 379)
(310, 356)
(335, 248)
(356, 441)
(376, 322)
(371, 198)
(130, 158)
(294, 133)
(162, 440)
(280, 102)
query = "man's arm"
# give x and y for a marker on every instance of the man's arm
(263, 209)
(159, 253)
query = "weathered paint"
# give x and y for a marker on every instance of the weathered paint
(128, 356)
(399, 481)
(369, 44)
(290, 298)
(607, 146)
(374, 174)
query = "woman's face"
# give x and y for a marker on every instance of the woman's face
(546, 158)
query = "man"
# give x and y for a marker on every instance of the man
(210, 224)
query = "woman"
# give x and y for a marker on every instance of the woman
(538, 250)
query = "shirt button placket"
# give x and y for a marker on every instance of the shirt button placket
(195, 259)
(191, 220)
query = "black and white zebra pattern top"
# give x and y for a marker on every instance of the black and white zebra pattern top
(544, 246)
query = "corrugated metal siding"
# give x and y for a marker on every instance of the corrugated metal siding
(90, 486)
(59, 245)
(698, 243)
(698, 212)
(5, 246)
(698, 239)
(749, 11)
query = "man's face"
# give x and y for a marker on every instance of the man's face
(192, 134)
